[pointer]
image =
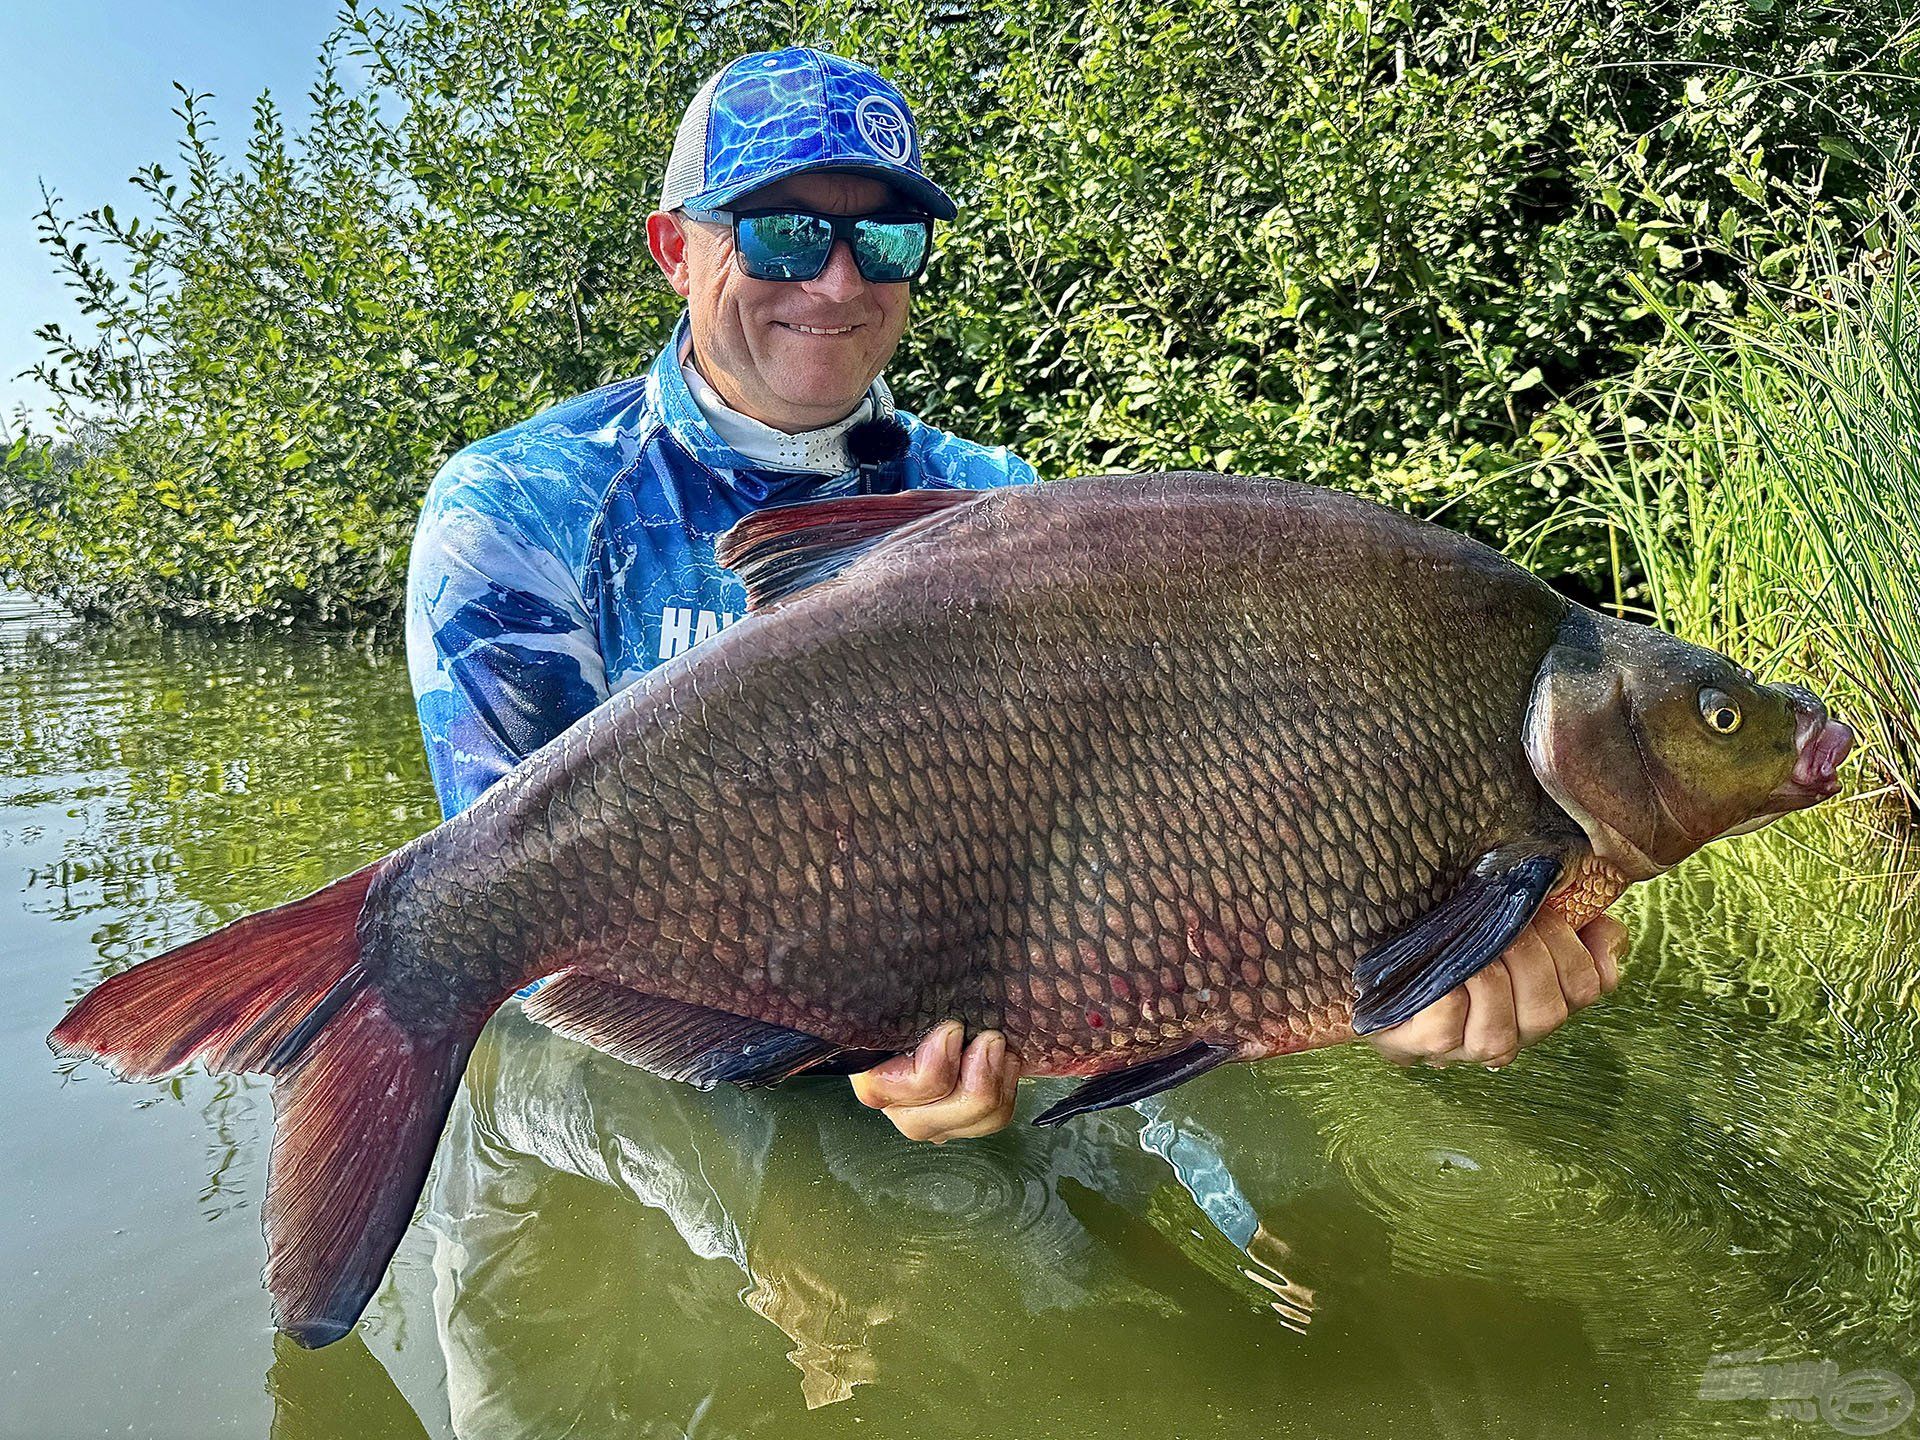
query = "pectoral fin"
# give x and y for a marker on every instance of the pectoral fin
(1459, 937)
(1136, 1082)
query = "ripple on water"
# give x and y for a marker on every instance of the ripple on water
(1491, 1202)
(1721, 1154)
(975, 1198)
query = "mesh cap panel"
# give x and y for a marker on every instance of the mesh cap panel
(687, 163)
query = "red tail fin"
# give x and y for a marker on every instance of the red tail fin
(358, 1100)
(356, 1120)
(228, 999)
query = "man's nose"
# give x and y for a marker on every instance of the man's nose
(841, 279)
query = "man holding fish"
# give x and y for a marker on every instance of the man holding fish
(560, 560)
(1135, 776)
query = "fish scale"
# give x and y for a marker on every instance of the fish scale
(1195, 795)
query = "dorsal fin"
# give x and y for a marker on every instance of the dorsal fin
(789, 547)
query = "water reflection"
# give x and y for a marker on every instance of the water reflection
(837, 1230)
(1721, 1159)
(226, 772)
(343, 1391)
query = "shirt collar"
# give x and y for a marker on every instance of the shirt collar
(754, 478)
(822, 451)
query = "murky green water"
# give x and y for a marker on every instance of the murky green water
(1722, 1160)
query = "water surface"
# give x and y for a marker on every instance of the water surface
(1719, 1162)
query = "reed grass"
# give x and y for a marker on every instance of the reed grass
(1760, 480)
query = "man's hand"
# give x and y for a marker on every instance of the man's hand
(938, 1094)
(1547, 974)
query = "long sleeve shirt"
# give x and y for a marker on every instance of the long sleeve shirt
(559, 560)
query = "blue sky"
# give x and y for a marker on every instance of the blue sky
(87, 100)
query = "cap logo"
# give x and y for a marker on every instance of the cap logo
(882, 126)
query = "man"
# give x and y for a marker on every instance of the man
(560, 560)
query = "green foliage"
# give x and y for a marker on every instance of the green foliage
(1364, 243)
(1762, 476)
(1367, 244)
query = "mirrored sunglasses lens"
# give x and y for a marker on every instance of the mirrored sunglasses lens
(890, 249)
(784, 247)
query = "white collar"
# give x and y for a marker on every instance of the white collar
(823, 451)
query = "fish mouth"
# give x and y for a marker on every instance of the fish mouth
(1821, 745)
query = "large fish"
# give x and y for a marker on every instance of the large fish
(1150, 773)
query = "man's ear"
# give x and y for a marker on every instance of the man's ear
(668, 242)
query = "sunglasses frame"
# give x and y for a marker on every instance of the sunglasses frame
(843, 227)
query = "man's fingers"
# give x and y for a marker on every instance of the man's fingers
(1009, 1085)
(1536, 965)
(929, 1073)
(1492, 1036)
(1576, 973)
(979, 1105)
(980, 1072)
(1606, 939)
(1439, 1028)
(1547, 973)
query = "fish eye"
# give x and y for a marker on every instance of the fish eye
(1720, 711)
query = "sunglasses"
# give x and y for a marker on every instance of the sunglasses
(786, 243)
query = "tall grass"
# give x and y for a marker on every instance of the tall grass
(1761, 483)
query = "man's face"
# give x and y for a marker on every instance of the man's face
(795, 355)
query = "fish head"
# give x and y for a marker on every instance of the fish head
(1656, 746)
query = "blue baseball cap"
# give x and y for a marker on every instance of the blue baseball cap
(777, 113)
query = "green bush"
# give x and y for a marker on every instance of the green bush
(1764, 477)
(1368, 244)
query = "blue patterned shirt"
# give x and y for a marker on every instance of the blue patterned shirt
(561, 559)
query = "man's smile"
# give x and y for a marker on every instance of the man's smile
(816, 329)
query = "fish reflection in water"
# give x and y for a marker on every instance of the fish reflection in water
(792, 1186)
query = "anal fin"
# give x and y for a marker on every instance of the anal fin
(1458, 938)
(676, 1041)
(1136, 1082)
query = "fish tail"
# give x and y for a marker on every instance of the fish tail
(359, 1100)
